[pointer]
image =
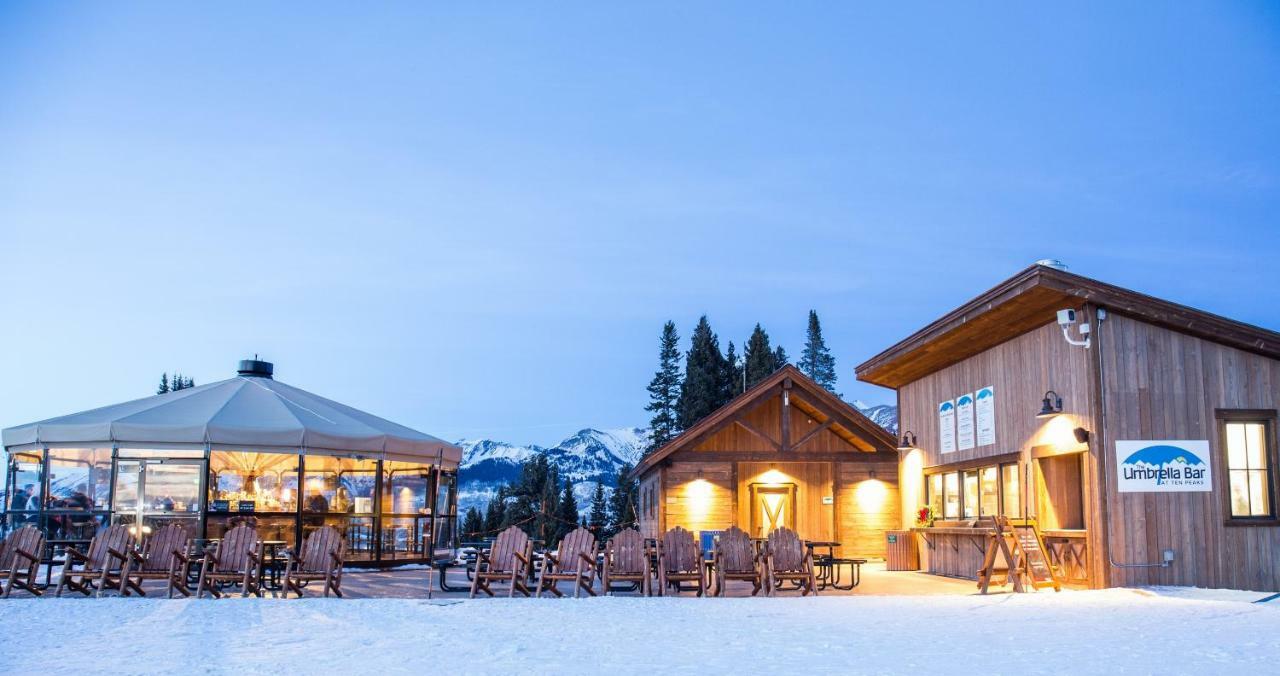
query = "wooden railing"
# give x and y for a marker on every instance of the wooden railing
(1068, 552)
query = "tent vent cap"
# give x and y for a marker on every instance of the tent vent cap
(255, 368)
(1052, 263)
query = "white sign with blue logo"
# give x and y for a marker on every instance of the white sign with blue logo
(947, 426)
(964, 422)
(1163, 466)
(986, 407)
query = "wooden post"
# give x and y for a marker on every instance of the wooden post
(786, 415)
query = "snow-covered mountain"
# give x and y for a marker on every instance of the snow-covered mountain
(589, 457)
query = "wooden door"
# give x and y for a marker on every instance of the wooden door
(773, 506)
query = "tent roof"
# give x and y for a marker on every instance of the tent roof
(247, 411)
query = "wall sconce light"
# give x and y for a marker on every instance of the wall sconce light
(873, 474)
(908, 441)
(1082, 435)
(1051, 406)
(699, 472)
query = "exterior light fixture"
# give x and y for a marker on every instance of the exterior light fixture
(1082, 435)
(908, 441)
(1051, 406)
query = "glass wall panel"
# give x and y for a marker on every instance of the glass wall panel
(446, 513)
(340, 492)
(80, 479)
(253, 482)
(406, 510)
(26, 486)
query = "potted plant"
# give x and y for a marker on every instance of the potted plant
(925, 516)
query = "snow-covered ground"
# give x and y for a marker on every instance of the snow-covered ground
(1113, 631)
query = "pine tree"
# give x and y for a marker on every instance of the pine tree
(780, 358)
(164, 383)
(472, 525)
(567, 514)
(704, 388)
(495, 511)
(734, 372)
(761, 360)
(599, 519)
(664, 390)
(189, 383)
(816, 360)
(622, 504)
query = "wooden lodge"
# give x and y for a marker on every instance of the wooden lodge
(784, 453)
(1144, 449)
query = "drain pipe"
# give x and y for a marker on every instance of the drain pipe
(1167, 555)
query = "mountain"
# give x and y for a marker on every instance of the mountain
(589, 457)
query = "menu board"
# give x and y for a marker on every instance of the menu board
(964, 422)
(220, 506)
(947, 426)
(985, 405)
(244, 506)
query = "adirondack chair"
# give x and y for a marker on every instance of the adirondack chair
(735, 558)
(102, 567)
(320, 560)
(680, 560)
(626, 559)
(238, 558)
(164, 556)
(20, 559)
(508, 561)
(575, 561)
(786, 558)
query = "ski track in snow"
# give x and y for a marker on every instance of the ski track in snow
(1113, 631)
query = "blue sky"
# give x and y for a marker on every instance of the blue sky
(475, 220)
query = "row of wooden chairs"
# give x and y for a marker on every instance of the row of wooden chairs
(114, 561)
(627, 558)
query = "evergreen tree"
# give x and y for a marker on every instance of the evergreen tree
(780, 358)
(664, 390)
(164, 383)
(622, 504)
(761, 360)
(567, 514)
(816, 360)
(188, 383)
(495, 512)
(472, 525)
(734, 372)
(599, 519)
(704, 388)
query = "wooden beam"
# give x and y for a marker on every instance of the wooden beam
(813, 433)
(769, 456)
(786, 415)
(748, 427)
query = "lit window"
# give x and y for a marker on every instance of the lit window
(951, 495)
(935, 494)
(1012, 496)
(1248, 469)
(990, 505)
(970, 495)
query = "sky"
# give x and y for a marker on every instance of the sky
(474, 219)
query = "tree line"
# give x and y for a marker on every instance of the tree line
(545, 507)
(179, 382)
(678, 400)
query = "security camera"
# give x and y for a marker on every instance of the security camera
(1066, 317)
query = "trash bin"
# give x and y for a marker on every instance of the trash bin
(900, 550)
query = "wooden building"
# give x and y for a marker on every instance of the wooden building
(785, 453)
(1147, 456)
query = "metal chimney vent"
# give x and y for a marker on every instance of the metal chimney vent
(1052, 263)
(255, 368)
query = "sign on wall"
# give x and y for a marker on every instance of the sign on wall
(1163, 466)
(947, 425)
(986, 409)
(964, 422)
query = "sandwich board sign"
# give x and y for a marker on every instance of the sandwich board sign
(1163, 466)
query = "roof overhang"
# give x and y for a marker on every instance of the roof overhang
(1029, 300)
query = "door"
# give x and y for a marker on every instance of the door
(773, 506)
(156, 492)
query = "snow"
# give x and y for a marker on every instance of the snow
(1135, 631)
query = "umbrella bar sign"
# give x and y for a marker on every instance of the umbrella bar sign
(1163, 466)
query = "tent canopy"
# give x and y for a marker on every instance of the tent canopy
(248, 411)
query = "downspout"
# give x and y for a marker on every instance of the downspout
(1100, 316)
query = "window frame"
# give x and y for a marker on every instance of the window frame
(1266, 418)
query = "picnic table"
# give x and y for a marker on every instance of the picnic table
(827, 566)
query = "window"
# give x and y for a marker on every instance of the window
(970, 494)
(1249, 466)
(1012, 503)
(935, 494)
(951, 495)
(989, 504)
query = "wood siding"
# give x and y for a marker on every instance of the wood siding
(866, 507)
(1161, 384)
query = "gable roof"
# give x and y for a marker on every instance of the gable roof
(1029, 300)
(848, 423)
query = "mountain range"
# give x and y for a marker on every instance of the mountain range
(588, 457)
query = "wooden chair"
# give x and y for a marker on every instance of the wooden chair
(237, 559)
(508, 561)
(574, 561)
(786, 558)
(20, 560)
(680, 560)
(102, 567)
(164, 556)
(319, 559)
(735, 558)
(626, 559)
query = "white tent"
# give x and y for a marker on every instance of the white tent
(250, 412)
